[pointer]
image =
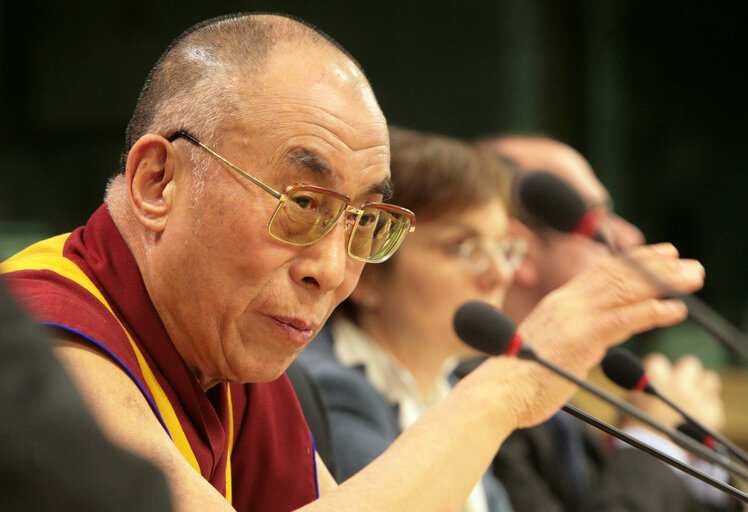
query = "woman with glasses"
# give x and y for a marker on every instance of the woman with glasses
(388, 352)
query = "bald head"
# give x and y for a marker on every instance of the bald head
(537, 153)
(210, 71)
(238, 75)
(555, 258)
(284, 105)
(544, 154)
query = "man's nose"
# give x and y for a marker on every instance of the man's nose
(323, 264)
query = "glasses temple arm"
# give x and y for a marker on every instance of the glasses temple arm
(266, 188)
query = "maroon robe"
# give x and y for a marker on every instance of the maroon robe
(88, 282)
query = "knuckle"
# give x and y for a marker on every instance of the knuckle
(619, 288)
(656, 360)
(712, 380)
(613, 322)
(661, 312)
(690, 363)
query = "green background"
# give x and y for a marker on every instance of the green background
(653, 93)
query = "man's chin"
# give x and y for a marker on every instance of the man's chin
(270, 377)
(269, 372)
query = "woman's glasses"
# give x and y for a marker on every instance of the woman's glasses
(478, 253)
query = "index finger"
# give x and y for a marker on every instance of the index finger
(640, 274)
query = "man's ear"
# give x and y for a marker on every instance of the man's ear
(150, 180)
(526, 275)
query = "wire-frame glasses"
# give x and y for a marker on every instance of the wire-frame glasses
(306, 213)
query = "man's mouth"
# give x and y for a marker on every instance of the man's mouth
(298, 330)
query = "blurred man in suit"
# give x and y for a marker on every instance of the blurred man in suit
(560, 465)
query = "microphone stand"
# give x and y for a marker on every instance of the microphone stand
(685, 442)
(733, 449)
(619, 358)
(626, 438)
(553, 202)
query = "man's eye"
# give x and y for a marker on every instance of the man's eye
(304, 202)
(367, 219)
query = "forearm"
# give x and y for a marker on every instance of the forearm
(125, 417)
(435, 464)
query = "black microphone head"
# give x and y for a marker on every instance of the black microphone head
(625, 369)
(483, 327)
(551, 201)
(693, 431)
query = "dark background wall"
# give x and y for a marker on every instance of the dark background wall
(651, 92)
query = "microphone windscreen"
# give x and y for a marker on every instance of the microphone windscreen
(693, 431)
(623, 368)
(483, 327)
(552, 201)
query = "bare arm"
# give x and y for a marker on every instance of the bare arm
(326, 481)
(434, 464)
(126, 417)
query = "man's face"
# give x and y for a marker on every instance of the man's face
(239, 304)
(563, 256)
(566, 255)
(558, 257)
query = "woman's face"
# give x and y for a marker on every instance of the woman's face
(444, 263)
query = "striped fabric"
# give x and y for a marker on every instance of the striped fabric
(249, 441)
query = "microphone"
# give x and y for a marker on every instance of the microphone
(552, 201)
(624, 368)
(484, 328)
(697, 433)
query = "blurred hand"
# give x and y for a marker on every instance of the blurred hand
(688, 384)
(574, 325)
(624, 234)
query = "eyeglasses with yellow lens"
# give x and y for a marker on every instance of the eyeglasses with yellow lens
(306, 213)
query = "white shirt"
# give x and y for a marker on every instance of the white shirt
(353, 347)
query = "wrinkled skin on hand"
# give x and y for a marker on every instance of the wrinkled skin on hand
(603, 306)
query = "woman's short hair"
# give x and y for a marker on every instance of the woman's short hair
(435, 175)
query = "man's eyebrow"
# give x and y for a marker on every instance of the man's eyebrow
(311, 161)
(319, 164)
(384, 187)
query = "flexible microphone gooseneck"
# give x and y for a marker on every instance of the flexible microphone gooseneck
(700, 435)
(553, 202)
(654, 452)
(624, 368)
(485, 328)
